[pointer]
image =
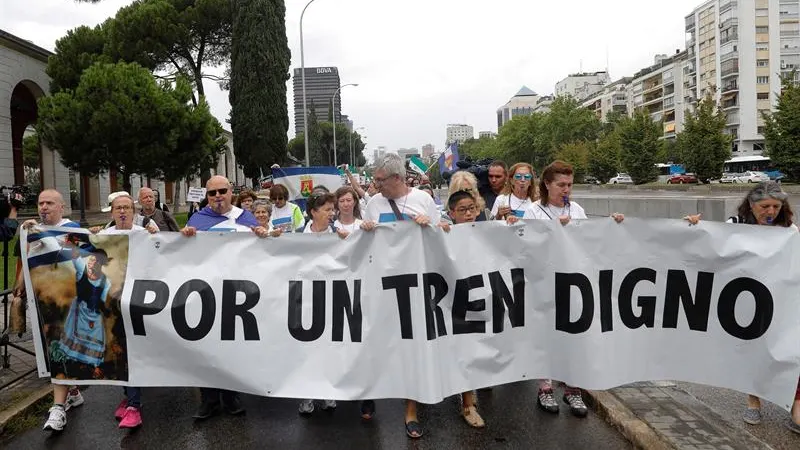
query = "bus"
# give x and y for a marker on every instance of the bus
(665, 171)
(741, 164)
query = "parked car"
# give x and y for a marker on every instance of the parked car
(684, 178)
(621, 178)
(751, 176)
(730, 178)
(590, 180)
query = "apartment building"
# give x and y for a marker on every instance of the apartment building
(735, 51)
(613, 98)
(459, 132)
(582, 85)
(543, 104)
(658, 89)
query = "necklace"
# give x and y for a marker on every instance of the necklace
(510, 196)
(564, 209)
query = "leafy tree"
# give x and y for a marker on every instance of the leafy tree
(669, 152)
(639, 143)
(567, 121)
(520, 139)
(118, 116)
(31, 150)
(604, 157)
(782, 134)
(703, 145)
(74, 53)
(180, 36)
(480, 148)
(577, 154)
(259, 71)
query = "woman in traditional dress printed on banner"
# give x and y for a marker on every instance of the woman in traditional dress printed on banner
(83, 338)
(767, 205)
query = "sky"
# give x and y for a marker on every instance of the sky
(421, 64)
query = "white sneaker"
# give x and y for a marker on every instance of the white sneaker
(306, 406)
(73, 400)
(57, 419)
(328, 404)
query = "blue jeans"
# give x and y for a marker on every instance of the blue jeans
(134, 395)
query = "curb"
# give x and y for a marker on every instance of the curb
(21, 407)
(637, 431)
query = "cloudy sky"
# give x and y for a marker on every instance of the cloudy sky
(422, 64)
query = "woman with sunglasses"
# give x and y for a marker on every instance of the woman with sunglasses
(519, 196)
(767, 205)
(285, 215)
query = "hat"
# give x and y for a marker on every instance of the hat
(112, 196)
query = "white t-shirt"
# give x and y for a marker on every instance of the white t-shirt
(114, 230)
(550, 212)
(349, 228)
(792, 226)
(230, 224)
(308, 229)
(520, 207)
(285, 218)
(414, 203)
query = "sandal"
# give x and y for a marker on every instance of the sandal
(367, 409)
(414, 429)
(472, 417)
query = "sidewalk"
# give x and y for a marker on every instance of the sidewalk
(685, 416)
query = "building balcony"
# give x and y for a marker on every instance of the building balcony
(732, 119)
(790, 33)
(730, 87)
(651, 87)
(730, 104)
(729, 55)
(729, 38)
(729, 72)
(726, 6)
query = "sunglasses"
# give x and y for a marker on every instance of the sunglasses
(213, 192)
(277, 199)
(522, 176)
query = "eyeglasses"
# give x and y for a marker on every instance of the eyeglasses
(469, 209)
(278, 199)
(122, 208)
(379, 181)
(213, 192)
(522, 176)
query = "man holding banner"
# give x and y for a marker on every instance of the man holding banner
(221, 215)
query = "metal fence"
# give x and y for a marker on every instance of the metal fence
(11, 342)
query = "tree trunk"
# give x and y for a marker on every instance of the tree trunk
(126, 181)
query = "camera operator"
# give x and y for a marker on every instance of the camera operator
(8, 212)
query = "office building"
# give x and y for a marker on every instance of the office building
(658, 89)
(612, 98)
(459, 132)
(522, 103)
(378, 153)
(407, 153)
(736, 49)
(321, 85)
(427, 150)
(487, 134)
(543, 104)
(582, 85)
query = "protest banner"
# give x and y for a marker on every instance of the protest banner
(407, 312)
(196, 194)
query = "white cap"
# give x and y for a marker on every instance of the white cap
(112, 196)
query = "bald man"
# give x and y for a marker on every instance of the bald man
(162, 219)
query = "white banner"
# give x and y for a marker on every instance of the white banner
(406, 312)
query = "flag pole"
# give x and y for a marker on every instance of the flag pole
(431, 166)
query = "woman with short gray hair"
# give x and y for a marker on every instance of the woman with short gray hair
(765, 204)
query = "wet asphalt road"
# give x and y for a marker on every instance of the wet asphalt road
(513, 422)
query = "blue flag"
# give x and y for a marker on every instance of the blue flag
(449, 158)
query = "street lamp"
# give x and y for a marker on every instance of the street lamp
(333, 105)
(303, 77)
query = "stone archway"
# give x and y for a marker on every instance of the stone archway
(24, 113)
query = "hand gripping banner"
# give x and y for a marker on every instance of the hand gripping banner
(411, 312)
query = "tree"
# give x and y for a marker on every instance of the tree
(180, 36)
(703, 145)
(639, 145)
(604, 157)
(74, 53)
(520, 139)
(31, 150)
(259, 71)
(782, 134)
(481, 148)
(118, 117)
(577, 154)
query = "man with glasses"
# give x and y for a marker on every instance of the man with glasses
(221, 215)
(396, 201)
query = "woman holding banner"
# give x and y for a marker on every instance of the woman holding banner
(519, 195)
(285, 215)
(766, 204)
(348, 210)
(555, 188)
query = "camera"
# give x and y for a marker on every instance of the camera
(478, 168)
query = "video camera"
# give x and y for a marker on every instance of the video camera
(15, 196)
(478, 168)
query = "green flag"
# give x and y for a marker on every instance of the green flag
(417, 165)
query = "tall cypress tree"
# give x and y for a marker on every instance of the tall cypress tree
(259, 70)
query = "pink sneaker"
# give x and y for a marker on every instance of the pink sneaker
(132, 419)
(119, 413)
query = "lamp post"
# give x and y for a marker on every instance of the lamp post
(333, 105)
(303, 77)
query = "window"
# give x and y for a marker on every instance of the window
(762, 30)
(762, 47)
(761, 130)
(762, 96)
(762, 62)
(762, 12)
(762, 80)
(758, 147)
